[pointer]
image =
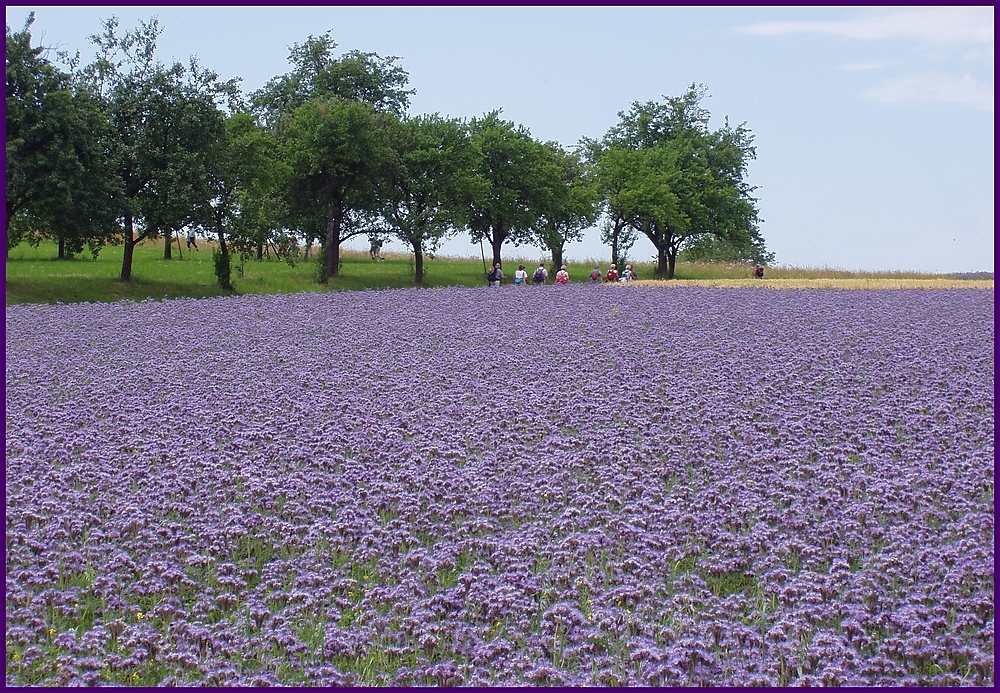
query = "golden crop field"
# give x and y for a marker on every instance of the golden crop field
(824, 283)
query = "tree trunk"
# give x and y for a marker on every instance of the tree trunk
(62, 248)
(496, 242)
(129, 247)
(309, 245)
(260, 250)
(168, 241)
(224, 281)
(557, 257)
(616, 245)
(663, 269)
(672, 257)
(418, 264)
(332, 259)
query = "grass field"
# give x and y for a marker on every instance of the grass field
(34, 275)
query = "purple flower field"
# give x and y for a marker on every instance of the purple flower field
(579, 485)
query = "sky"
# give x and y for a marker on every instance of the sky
(874, 126)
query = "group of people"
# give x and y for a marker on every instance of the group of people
(540, 275)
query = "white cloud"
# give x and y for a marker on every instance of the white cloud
(935, 87)
(968, 25)
(979, 54)
(862, 67)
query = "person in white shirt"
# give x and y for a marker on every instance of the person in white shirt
(520, 276)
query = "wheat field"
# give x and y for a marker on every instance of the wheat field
(825, 283)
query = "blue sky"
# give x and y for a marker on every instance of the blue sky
(874, 126)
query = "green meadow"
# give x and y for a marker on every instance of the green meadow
(34, 275)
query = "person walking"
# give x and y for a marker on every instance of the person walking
(496, 275)
(191, 242)
(562, 276)
(540, 275)
(520, 276)
(376, 248)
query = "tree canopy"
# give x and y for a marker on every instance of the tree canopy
(165, 124)
(424, 193)
(570, 204)
(511, 181)
(317, 72)
(132, 148)
(58, 180)
(670, 177)
(338, 154)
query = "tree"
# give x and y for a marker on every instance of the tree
(616, 232)
(338, 156)
(165, 121)
(570, 202)
(743, 247)
(316, 73)
(58, 181)
(510, 182)
(422, 197)
(243, 178)
(676, 181)
(615, 228)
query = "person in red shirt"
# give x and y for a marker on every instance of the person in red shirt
(612, 275)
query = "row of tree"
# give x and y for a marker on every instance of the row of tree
(127, 148)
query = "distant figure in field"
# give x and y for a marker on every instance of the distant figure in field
(191, 240)
(595, 275)
(758, 271)
(376, 248)
(627, 274)
(540, 275)
(496, 275)
(612, 275)
(562, 276)
(520, 276)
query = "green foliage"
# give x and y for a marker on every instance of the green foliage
(511, 182)
(570, 201)
(338, 155)
(58, 181)
(671, 178)
(317, 73)
(131, 147)
(34, 276)
(743, 247)
(423, 193)
(620, 236)
(223, 268)
(246, 206)
(732, 582)
(165, 122)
